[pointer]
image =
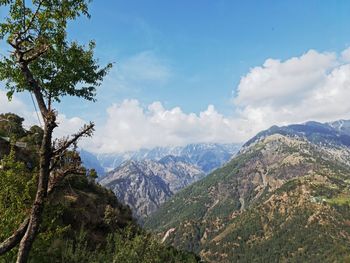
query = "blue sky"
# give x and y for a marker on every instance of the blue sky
(209, 45)
(190, 54)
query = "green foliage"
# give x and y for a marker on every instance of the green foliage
(83, 222)
(16, 195)
(61, 67)
(92, 174)
(17, 186)
(34, 137)
(123, 246)
(11, 125)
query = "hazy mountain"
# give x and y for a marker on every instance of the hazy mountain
(284, 197)
(145, 185)
(90, 161)
(341, 126)
(207, 156)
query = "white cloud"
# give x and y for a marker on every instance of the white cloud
(289, 81)
(67, 126)
(131, 126)
(314, 86)
(14, 105)
(17, 106)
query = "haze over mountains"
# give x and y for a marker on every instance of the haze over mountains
(207, 156)
(285, 196)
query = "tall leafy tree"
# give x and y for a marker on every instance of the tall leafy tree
(44, 62)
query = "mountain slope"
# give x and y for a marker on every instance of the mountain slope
(90, 161)
(145, 185)
(285, 196)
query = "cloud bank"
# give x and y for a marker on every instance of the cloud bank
(130, 126)
(313, 86)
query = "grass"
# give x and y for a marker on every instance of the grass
(343, 199)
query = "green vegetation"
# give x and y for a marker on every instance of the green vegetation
(82, 221)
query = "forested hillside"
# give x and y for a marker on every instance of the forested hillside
(82, 222)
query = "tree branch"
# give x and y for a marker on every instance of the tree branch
(36, 55)
(36, 90)
(86, 130)
(59, 175)
(16, 237)
(26, 29)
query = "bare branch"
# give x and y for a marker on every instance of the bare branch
(59, 175)
(85, 131)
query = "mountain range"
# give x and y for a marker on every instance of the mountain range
(145, 179)
(285, 197)
(207, 156)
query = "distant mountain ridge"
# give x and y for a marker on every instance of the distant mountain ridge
(207, 156)
(337, 133)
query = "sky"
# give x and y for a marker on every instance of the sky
(206, 71)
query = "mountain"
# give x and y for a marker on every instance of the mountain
(90, 161)
(145, 179)
(207, 156)
(335, 133)
(145, 185)
(341, 126)
(284, 197)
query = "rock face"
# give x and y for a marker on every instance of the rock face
(145, 185)
(287, 190)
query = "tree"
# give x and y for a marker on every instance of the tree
(92, 174)
(11, 125)
(45, 63)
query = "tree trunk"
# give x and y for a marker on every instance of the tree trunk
(38, 206)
